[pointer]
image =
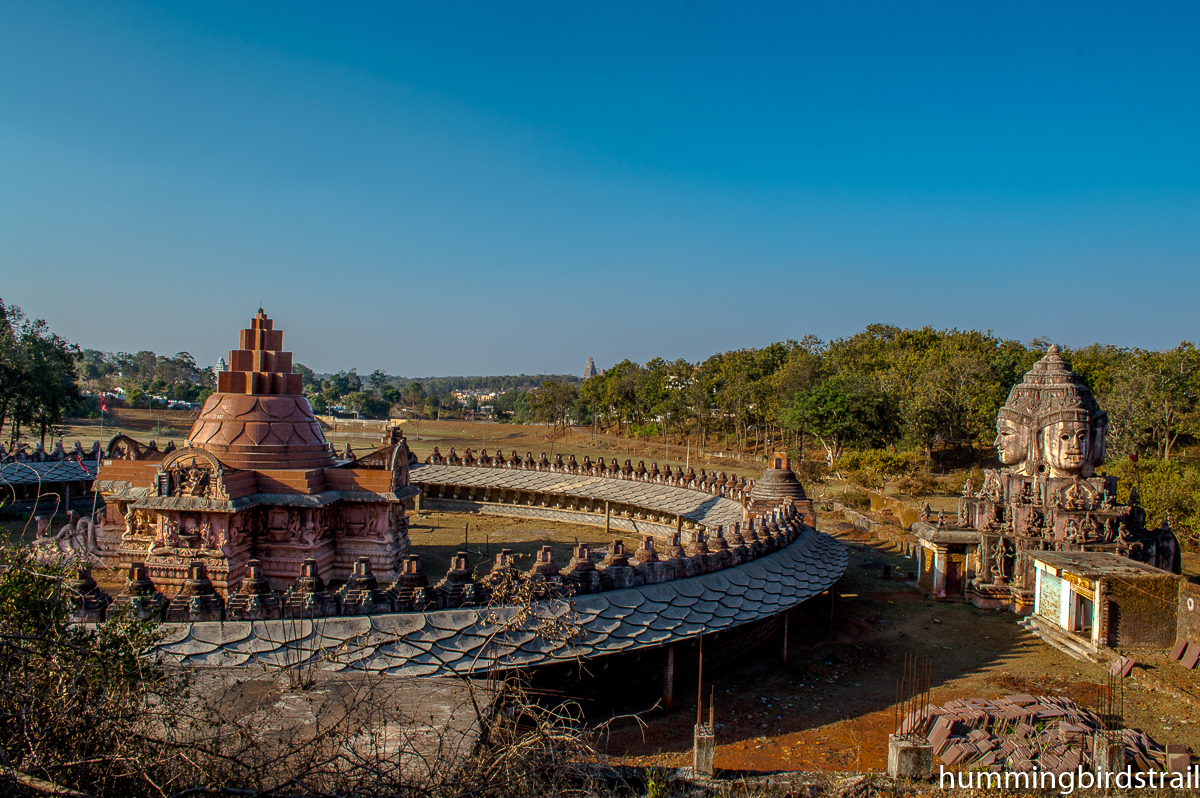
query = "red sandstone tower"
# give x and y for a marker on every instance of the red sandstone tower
(257, 480)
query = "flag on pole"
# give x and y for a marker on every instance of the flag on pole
(103, 404)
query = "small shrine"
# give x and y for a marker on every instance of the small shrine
(777, 487)
(1046, 496)
(256, 481)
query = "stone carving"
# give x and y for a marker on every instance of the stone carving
(1051, 423)
(76, 538)
(1050, 438)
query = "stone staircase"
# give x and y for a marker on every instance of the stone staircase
(1067, 643)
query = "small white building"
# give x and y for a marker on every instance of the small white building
(1086, 602)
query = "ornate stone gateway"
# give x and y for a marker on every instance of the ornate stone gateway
(1050, 438)
(257, 480)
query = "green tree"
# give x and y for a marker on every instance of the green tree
(841, 412)
(553, 402)
(414, 394)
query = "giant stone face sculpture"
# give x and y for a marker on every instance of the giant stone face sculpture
(1051, 424)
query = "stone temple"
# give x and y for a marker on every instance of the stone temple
(236, 535)
(256, 480)
(1045, 497)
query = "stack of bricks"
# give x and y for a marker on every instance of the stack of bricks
(1024, 733)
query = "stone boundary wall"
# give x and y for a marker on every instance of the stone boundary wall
(478, 640)
(904, 512)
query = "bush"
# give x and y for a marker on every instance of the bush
(864, 478)
(76, 701)
(1167, 488)
(874, 467)
(812, 472)
(855, 500)
(920, 483)
(955, 482)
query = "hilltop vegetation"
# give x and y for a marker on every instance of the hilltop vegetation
(927, 396)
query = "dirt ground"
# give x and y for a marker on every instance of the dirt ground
(830, 707)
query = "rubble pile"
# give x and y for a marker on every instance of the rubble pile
(1022, 733)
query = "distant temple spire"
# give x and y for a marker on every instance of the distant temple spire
(590, 369)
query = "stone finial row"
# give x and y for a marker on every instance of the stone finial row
(716, 483)
(20, 453)
(309, 597)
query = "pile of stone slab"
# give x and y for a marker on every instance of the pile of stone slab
(1023, 732)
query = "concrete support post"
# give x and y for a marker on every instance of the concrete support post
(1108, 755)
(669, 679)
(704, 749)
(909, 757)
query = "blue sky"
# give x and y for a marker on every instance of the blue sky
(505, 187)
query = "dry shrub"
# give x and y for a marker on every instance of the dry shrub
(954, 483)
(920, 483)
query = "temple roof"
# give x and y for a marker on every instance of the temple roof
(259, 419)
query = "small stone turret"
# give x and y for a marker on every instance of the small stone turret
(581, 573)
(615, 571)
(140, 596)
(677, 560)
(698, 552)
(718, 546)
(457, 587)
(88, 601)
(254, 599)
(410, 591)
(544, 566)
(197, 600)
(647, 566)
(362, 595)
(502, 579)
(754, 541)
(308, 596)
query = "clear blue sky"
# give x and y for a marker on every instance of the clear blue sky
(444, 188)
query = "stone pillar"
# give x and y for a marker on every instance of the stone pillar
(984, 576)
(909, 757)
(939, 556)
(607, 518)
(669, 679)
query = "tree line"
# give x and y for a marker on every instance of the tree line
(885, 387)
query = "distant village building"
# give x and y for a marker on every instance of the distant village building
(590, 369)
